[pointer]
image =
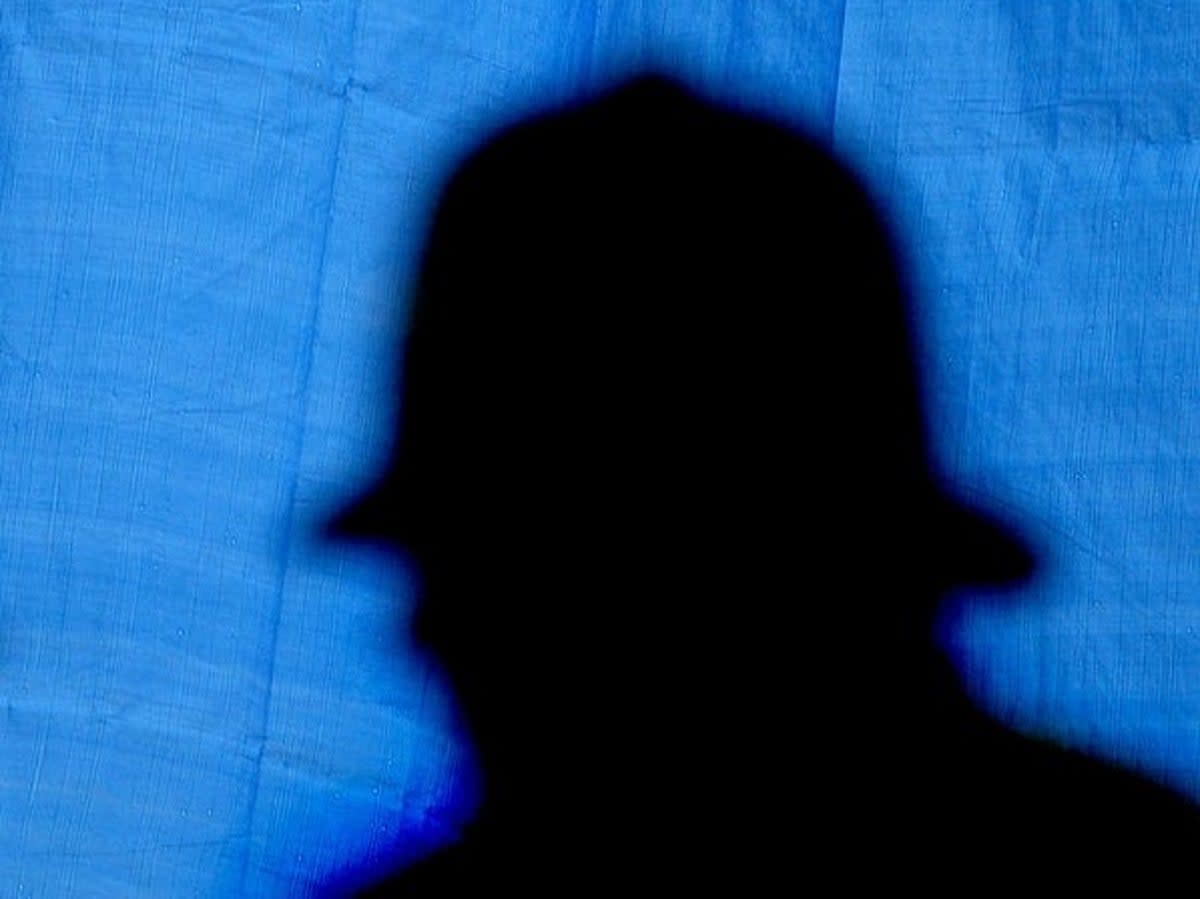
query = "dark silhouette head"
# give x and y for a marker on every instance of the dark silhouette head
(663, 468)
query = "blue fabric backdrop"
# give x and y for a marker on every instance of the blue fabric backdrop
(209, 214)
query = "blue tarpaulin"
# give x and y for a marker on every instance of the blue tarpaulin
(209, 217)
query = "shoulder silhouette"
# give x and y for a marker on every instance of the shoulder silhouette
(662, 465)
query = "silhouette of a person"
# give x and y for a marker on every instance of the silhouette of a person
(663, 469)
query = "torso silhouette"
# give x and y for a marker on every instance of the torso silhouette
(662, 464)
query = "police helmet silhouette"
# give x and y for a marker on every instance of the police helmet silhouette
(650, 263)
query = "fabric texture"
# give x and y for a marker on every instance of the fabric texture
(209, 217)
